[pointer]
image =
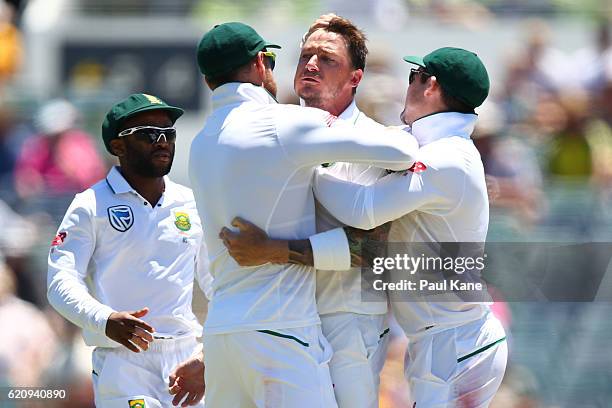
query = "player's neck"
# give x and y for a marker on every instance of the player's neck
(150, 188)
(335, 107)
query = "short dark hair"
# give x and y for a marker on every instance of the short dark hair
(223, 79)
(232, 76)
(354, 37)
(452, 103)
(455, 105)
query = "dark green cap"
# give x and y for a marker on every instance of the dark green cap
(132, 105)
(460, 73)
(228, 46)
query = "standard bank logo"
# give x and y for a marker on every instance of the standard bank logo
(120, 217)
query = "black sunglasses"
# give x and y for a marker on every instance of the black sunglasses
(151, 134)
(414, 72)
(271, 58)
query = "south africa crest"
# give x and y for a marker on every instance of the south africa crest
(182, 222)
(137, 403)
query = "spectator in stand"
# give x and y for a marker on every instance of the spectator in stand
(518, 181)
(61, 160)
(10, 43)
(27, 349)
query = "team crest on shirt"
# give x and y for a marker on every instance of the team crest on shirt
(120, 217)
(137, 403)
(182, 222)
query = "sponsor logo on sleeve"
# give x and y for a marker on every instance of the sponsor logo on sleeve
(59, 239)
(120, 217)
(418, 167)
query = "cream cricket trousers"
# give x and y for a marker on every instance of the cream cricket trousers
(280, 368)
(124, 379)
(461, 367)
(360, 344)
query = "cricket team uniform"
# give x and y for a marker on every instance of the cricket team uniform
(115, 252)
(356, 330)
(263, 344)
(457, 351)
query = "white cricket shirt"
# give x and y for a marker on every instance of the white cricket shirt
(340, 291)
(114, 252)
(255, 159)
(443, 201)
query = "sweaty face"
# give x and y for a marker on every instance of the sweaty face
(324, 73)
(142, 157)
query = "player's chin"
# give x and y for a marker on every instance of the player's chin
(308, 92)
(162, 168)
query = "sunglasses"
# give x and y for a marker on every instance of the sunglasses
(414, 72)
(151, 134)
(271, 58)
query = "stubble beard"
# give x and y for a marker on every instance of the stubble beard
(144, 166)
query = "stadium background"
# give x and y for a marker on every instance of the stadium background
(545, 134)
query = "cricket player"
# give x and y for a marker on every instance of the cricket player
(457, 353)
(330, 68)
(263, 342)
(123, 262)
(331, 65)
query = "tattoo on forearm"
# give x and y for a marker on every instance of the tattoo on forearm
(365, 245)
(300, 252)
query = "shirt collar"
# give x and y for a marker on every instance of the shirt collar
(238, 92)
(444, 124)
(118, 184)
(351, 113)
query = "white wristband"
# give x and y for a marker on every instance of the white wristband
(330, 250)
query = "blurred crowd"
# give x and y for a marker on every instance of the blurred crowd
(545, 137)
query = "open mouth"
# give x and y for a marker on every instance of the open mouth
(311, 80)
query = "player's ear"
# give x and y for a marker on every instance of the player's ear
(432, 86)
(356, 77)
(260, 65)
(117, 147)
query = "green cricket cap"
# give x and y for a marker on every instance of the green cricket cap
(229, 46)
(132, 105)
(460, 73)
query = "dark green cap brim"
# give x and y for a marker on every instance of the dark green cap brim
(413, 59)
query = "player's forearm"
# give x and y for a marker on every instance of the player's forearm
(73, 302)
(362, 244)
(282, 251)
(389, 148)
(365, 245)
(300, 252)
